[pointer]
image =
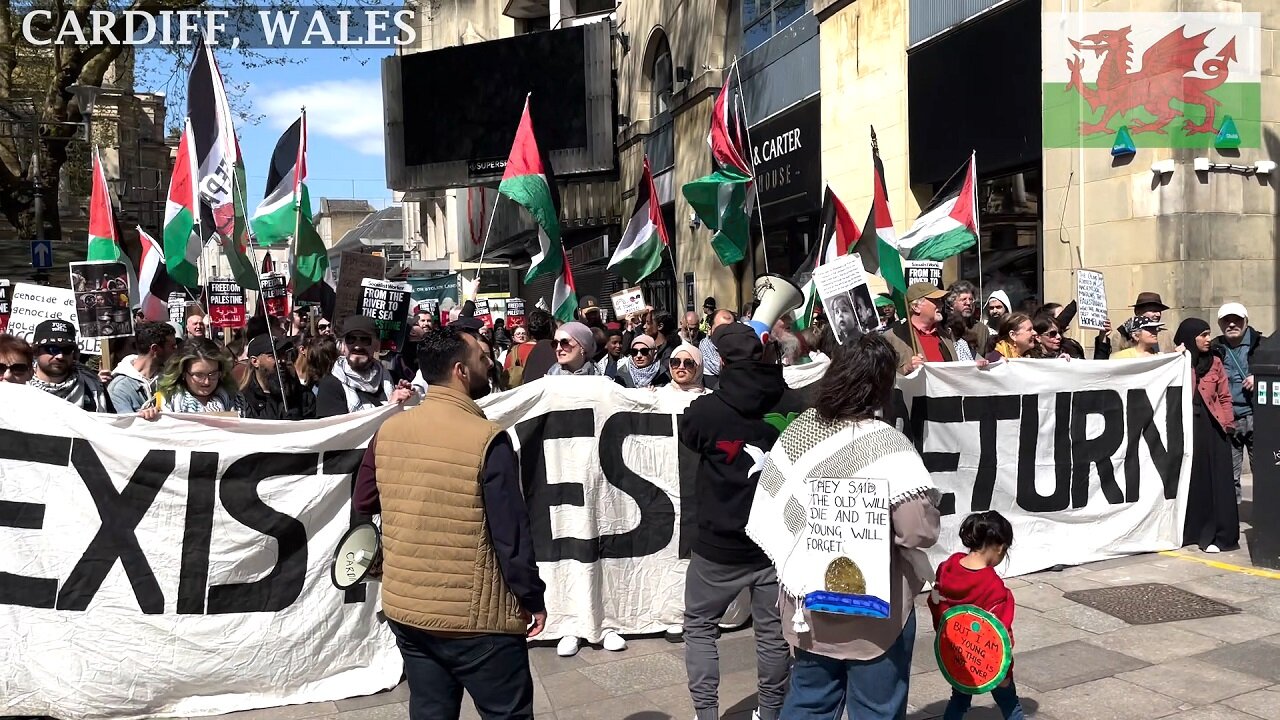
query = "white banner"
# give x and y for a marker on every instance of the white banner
(179, 567)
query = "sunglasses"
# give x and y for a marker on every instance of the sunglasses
(1051, 333)
(322, 326)
(683, 364)
(57, 349)
(358, 339)
(16, 368)
(566, 344)
(640, 351)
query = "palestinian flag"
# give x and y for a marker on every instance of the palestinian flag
(284, 216)
(154, 281)
(219, 169)
(839, 236)
(878, 245)
(529, 182)
(723, 200)
(103, 244)
(949, 225)
(564, 300)
(640, 252)
(182, 245)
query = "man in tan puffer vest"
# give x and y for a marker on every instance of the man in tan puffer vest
(460, 586)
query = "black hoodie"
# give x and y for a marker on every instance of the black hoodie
(728, 430)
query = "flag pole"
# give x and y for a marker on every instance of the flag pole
(262, 302)
(299, 168)
(487, 230)
(755, 186)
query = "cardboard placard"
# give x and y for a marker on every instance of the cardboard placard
(929, 271)
(1091, 299)
(275, 294)
(33, 304)
(484, 313)
(973, 649)
(178, 310)
(628, 301)
(101, 289)
(430, 306)
(6, 304)
(846, 298)
(354, 269)
(388, 304)
(848, 546)
(226, 304)
(515, 313)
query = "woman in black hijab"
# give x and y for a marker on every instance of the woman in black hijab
(1213, 520)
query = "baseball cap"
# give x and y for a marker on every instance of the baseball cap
(1142, 322)
(261, 345)
(921, 290)
(737, 342)
(359, 323)
(54, 332)
(710, 302)
(1233, 309)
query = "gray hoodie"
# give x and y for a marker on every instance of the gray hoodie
(129, 390)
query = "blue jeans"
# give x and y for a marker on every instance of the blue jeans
(1006, 699)
(865, 689)
(494, 669)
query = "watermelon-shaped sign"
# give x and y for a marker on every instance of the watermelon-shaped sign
(973, 649)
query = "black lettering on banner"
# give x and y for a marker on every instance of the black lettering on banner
(17, 589)
(987, 412)
(1062, 449)
(657, 513)
(1098, 451)
(1166, 458)
(120, 513)
(239, 494)
(347, 462)
(1029, 498)
(935, 409)
(193, 578)
(541, 495)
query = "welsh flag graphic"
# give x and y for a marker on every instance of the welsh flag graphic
(181, 243)
(1171, 78)
(103, 244)
(723, 200)
(949, 225)
(564, 299)
(640, 251)
(839, 236)
(529, 182)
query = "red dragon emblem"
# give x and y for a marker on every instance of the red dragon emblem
(1164, 77)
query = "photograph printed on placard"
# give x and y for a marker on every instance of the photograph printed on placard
(843, 317)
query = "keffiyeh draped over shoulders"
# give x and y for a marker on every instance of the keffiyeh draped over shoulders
(811, 448)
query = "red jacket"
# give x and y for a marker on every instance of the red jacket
(1215, 390)
(958, 585)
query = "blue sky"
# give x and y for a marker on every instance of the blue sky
(343, 98)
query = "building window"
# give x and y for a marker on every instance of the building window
(762, 19)
(590, 7)
(662, 79)
(1009, 219)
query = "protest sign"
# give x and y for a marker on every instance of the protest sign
(217, 602)
(430, 306)
(354, 269)
(929, 271)
(973, 649)
(178, 309)
(6, 300)
(628, 301)
(101, 290)
(33, 304)
(275, 294)
(1091, 299)
(484, 313)
(515, 313)
(226, 304)
(842, 285)
(388, 304)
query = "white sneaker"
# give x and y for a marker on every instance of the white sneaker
(674, 634)
(568, 646)
(1213, 549)
(613, 642)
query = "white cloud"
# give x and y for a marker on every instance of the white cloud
(349, 111)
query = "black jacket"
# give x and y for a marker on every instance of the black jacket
(540, 360)
(728, 430)
(262, 404)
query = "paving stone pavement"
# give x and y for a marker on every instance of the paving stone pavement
(1071, 662)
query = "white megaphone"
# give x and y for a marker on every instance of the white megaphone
(775, 296)
(358, 552)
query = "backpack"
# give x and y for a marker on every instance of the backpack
(515, 376)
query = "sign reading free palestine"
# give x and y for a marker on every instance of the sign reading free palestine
(1171, 78)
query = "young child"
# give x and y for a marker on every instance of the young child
(972, 580)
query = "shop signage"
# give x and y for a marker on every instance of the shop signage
(787, 153)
